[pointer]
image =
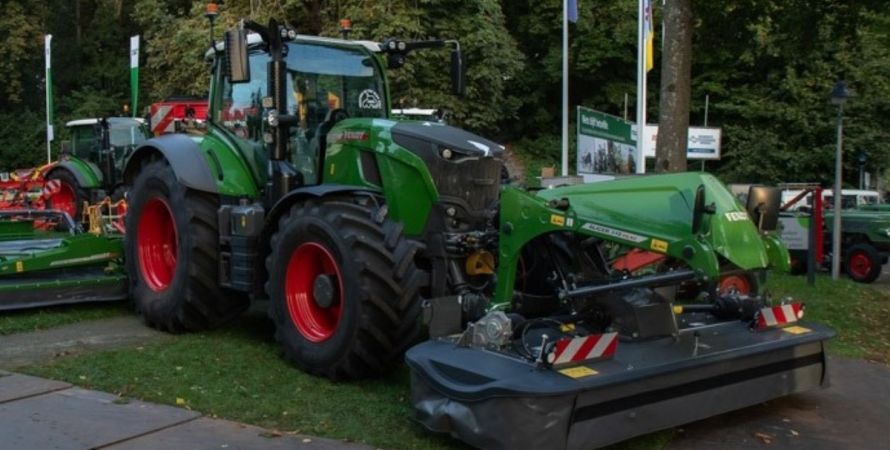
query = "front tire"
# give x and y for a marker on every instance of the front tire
(344, 288)
(862, 262)
(172, 254)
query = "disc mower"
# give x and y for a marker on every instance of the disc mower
(368, 235)
(26, 188)
(46, 259)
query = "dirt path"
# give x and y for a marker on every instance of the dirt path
(22, 349)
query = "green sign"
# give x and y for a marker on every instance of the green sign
(605, 126)
(606, 144)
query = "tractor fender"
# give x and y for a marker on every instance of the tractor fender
(317, 191)
(85, 172)
(184, 156)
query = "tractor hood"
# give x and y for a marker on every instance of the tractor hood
(422, 137)
(659, 209)
(873, 224)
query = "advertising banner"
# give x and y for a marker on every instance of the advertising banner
(703, 143)
(605, 144)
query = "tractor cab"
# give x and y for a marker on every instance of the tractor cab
(316, 83)
(328, 80)
(105, 143)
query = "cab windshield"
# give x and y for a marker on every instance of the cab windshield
(322, 81)
(125, 132)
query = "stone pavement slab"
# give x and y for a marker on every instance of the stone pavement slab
(78, 419)
(854, 413)
(214, 434)
(14, 386)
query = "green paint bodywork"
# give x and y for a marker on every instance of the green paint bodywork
(91, 178)
(874, 225)
(407, 185)
(74, 251)
(652, 213)
(38, 252)
(238, 167)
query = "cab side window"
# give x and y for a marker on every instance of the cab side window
(240, 109)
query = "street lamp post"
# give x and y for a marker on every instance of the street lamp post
(862, 158)
(839, 95)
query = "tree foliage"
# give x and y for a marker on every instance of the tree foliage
(767, 66)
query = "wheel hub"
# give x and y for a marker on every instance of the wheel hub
(860, 265)
(313, 290)
(324, 291)
(156, 244)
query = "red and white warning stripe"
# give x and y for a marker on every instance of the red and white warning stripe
(162, 120)
(779, 315)
(51, 187)
(572, 350)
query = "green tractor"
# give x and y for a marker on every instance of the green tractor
(368, 235)
(91, 163)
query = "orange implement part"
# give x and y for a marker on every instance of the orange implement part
(636, 259)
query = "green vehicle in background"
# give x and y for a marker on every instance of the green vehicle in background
(865, 227)
(91, 163)
(865, 242)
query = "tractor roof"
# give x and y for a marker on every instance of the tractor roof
(112, 120)
(254, 39)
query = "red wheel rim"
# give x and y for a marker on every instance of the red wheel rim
(310, 260)
(860, 265)
(156, 244)
(740, 282)
(65, 200)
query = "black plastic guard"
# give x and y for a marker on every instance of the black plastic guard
(492, 401)
(92, 284)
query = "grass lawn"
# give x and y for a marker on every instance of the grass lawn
(54, 316)
(236, 373)
(859, 313)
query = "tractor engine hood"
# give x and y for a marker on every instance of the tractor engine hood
(660, 208)
(465, 168)
(422, 137)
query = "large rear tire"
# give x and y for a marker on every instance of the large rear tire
(70, 196)
(862, 262)
(344, 288)
(172, 254)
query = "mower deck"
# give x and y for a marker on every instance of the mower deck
(493, 400)
(88, 284)
(45, 259)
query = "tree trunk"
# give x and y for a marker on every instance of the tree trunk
(676, 81)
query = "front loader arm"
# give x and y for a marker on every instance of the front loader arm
(524, 216)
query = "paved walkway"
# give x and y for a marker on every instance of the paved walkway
(36, 413)
(22, 349)
(854, 413)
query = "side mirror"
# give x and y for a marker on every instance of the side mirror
(763, 206)
(458, 81)
(237, 63)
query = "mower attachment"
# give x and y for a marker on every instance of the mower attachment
(45, 259)
(482, 397)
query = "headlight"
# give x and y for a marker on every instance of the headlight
(887, 232)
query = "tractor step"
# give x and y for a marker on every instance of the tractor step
(59, 287)
(495, 401)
